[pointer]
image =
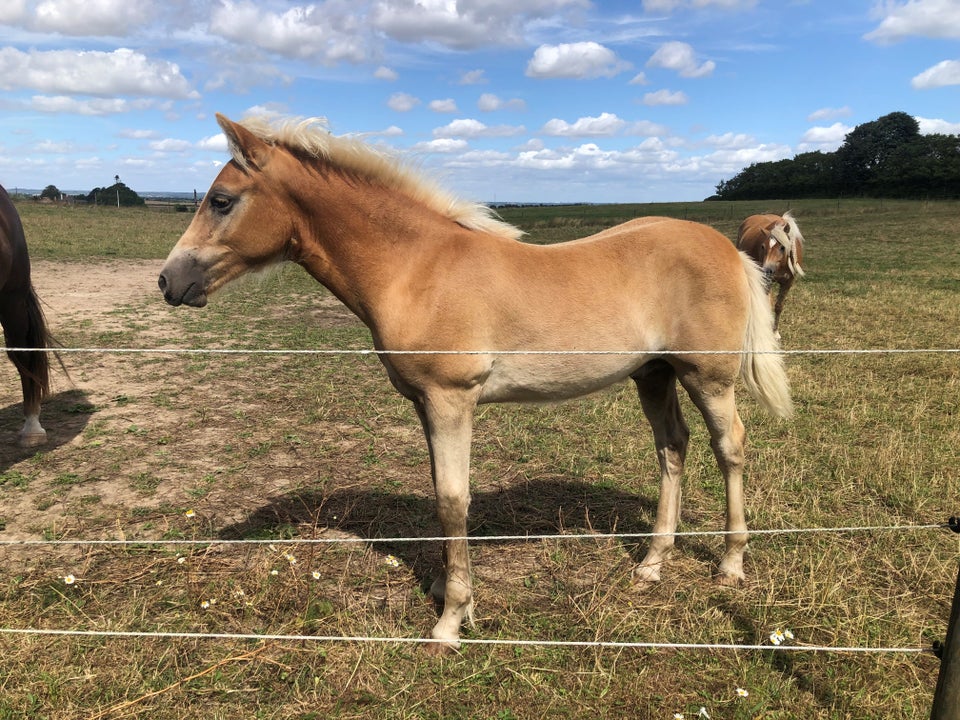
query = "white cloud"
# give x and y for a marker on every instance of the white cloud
(574, 60)
(665, 97)
(135, 134)
(645, 128)
(96, 18)
(12, 11)
(940, 75)
(216, 143)
(668, 6)
(240, 68)
(441, 145)
(170, 145)
(639, 79)
(330, 33)
(680, 57)
(488, 102)
(473, 77)
(402, 102)
(392, 131)
(606, 124)
(91, 72)
(466, 25)
(930, 126)
(826, 139)
(921, 18)
(88, 107)
(470, 128)
(385, 73)
(591, 157)
(731, 141)
(829, 113)
(55, 148)
(447, 105)
(731, 161)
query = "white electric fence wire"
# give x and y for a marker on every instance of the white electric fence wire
(479, 538)
(487, 538)
(362, 352)
(604, 644)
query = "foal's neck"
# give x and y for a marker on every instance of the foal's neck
(362, 241)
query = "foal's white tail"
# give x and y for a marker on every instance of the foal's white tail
(762, 366)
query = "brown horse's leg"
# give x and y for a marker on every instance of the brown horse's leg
(447, 419)
(727, 437)
(656, 384)
(23, 327)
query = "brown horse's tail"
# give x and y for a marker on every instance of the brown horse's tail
(26, 327)
(762, 368)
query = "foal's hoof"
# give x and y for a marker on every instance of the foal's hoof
(32, 439)
(441, 648)
(644, 576)
(731, 580)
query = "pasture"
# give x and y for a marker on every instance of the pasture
(284, 447)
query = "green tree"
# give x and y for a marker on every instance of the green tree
(867, 148)
(50, 192)
(884, 158)
(116, 194)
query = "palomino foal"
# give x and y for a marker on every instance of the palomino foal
(671, 300)
(774, 242)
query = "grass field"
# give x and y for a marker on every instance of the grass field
(291, 447)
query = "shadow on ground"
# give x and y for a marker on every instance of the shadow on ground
(63, 415)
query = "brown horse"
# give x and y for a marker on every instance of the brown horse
(776, 245)
(663, 300)
(23, 323)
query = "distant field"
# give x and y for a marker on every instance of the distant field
(287, 447)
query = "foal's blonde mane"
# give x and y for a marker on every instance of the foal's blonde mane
(312, 137)
(789, 238)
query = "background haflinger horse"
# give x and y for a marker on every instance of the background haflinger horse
(776, 245)
(428, 272)
(23, 322)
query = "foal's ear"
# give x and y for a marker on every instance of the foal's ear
(246, 148)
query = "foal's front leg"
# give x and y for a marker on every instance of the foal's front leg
(447, 419)
(657, 387)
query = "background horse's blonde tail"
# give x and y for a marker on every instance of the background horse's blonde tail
(762, 366)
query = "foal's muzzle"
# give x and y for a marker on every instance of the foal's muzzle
(183, 281)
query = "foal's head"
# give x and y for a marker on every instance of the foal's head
(246, 221)
(241, 224)
(782, 257)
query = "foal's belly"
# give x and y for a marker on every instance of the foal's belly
(547, 377)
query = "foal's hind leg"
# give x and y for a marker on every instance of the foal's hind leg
(656, 384)
(727, 436)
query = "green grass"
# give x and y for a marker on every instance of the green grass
(283, 447)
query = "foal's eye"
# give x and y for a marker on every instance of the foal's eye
(221, 203)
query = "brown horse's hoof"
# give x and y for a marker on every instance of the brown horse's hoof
(32, 439)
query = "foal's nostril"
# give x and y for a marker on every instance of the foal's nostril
(162, 282)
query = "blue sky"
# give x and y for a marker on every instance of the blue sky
(502, 100)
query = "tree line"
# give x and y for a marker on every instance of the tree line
(116, 194)
(884, 158)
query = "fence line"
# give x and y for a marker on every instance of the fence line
(485, 538)
(492, 538)
(604, 644)
(371, 351)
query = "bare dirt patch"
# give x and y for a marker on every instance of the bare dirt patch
(122, 433)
